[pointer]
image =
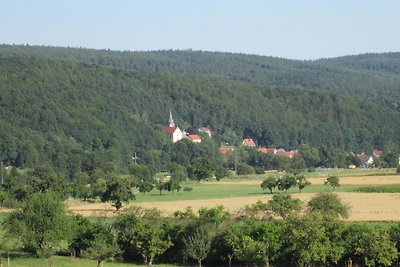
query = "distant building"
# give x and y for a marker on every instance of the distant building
(172, 132)
(194, 138)
(267, 150)
(290, 154)
(249, 142)
(377, 153)
(366, 161)
(206, 130)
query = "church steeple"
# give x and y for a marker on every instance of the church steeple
(171, 120)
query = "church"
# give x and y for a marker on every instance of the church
(172, 132)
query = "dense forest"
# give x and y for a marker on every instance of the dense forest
(371, 76)
(72, 107)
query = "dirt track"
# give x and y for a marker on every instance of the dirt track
(364, 206)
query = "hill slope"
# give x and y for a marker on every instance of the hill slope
(52, 110)
(370, 76)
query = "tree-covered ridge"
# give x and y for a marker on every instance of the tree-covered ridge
(56, 110)
(371, 76)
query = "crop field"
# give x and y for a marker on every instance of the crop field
(235, 193)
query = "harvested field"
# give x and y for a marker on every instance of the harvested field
(364, 206)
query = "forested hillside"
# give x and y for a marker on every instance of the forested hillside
(62, 112)
(369, 76)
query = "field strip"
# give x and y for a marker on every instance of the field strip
(345, 180)
(364, 206)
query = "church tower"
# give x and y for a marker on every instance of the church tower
(171, 120)
(172, 132)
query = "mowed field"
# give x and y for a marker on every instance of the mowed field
(235, 194)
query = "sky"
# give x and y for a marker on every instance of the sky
(294, 29)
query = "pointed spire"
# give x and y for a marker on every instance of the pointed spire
(171, 120)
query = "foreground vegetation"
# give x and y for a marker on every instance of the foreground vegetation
(273, 233)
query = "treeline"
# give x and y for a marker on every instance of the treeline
(369, 76)
(74, 115)
(273, 233)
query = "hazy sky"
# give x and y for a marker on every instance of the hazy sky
(297, 29)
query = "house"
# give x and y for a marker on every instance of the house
(249, 142)
(366, 161)
(206, 130)
(289, 154)
(267, 150)
(172, 132)
(194, 138)
(225, 150)
(377, 153)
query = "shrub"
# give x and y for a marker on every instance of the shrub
(398, 169)
(259, 170)
(187, 189)
(244, 168)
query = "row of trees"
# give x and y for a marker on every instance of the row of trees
(287, 181)
(314, 237)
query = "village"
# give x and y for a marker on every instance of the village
(174, 134)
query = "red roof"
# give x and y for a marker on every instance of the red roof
(169, 130)
(194, 137)
(267, 150)
(225, 150)
(249, 142)
(377, 152)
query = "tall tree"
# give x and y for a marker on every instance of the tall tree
(41, 223)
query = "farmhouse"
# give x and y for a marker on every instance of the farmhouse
(366, 161)
(249, 142)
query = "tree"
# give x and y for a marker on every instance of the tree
(283, 205)
(146, 238)
(309, 154)
(161, 186)
(371, 246)
(269, 183)
(41, 223)
(297, 165)
(313, 240)
(302, 182)
(332, 181)
(221, 172)
(328, 204)
(286, 182)
(200, 168)
(197, 245)
(44, 178)
(100, 250)
(118, 190)
(94, 240)
(173, 185)
(214, 215)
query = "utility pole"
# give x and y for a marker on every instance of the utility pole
(235, 160)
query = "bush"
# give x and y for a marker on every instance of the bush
(244, 168)
(398, 169)
(259, 170)
(187, 189)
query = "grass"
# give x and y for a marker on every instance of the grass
(378, 189)
(61, 261)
